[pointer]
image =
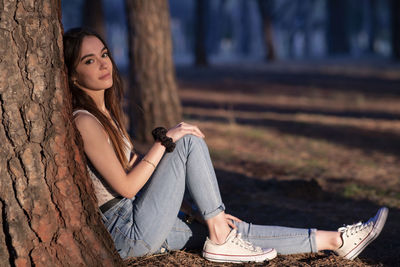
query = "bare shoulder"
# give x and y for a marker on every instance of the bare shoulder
(85, 120)
(88, 125)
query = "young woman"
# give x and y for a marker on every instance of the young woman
(140, 198)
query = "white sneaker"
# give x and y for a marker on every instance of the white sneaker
(357, 237)
(236, 250)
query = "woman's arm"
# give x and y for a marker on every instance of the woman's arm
(103, 157)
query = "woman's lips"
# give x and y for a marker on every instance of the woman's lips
(105, 76)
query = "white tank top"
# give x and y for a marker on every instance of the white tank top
(102, 189)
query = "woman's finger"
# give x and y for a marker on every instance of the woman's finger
(192, 129)
(231, 217)
(231, 224)
(197, 132)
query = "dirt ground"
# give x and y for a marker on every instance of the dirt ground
(300, 145)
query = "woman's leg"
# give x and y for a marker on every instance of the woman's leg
(144, 229)
(328, 240)
(200, 172)
(285, 240)
(349, 241)
(185, 235)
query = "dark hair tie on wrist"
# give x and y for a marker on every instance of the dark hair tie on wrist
(160, 135)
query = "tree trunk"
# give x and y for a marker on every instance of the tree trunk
(200, 33)
(395, 7)
(93, 16)
(338, 24)
(370, 23)
(265, 11)
(245, 36)
(152, 73)
(308, 8)
(48, 215)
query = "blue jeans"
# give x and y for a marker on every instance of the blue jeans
(149, 223)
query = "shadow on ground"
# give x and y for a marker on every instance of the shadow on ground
(309, 77)
(254, 107)
(350, 136)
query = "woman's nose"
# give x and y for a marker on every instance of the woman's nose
(103, 64)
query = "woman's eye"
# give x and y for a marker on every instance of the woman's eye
(89, 61)
(105, 54)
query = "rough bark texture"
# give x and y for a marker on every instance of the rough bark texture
(152, 75)
(93, 16)
(48, 216)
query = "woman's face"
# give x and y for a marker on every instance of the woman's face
(94, 68)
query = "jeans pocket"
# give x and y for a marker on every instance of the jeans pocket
(124, 210)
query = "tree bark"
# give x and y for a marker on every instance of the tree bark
(48, 215)
(93, 16)
(152, 75)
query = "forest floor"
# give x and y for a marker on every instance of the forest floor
(302, 146)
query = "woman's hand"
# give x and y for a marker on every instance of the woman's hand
(230, 219)
(182, 129)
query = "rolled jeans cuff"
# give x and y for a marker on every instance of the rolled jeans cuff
(214, 213)
(313, 242)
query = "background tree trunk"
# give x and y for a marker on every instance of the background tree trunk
(245, 36)
(308, 8)
(265, 7)
(370, 23)
(200, 50)
(337, 30)
(152, 75)
(93, 16)
(395, 8)
(48, 216)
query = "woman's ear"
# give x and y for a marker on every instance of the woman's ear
(74, 80)
(76, 83)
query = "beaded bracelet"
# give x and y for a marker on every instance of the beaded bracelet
(160, 135)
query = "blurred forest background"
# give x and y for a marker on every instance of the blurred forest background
(300, 104)
(252, 30)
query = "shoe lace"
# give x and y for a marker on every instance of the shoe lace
(354, 228)
(245, 244)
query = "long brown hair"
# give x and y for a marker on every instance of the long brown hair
(113, 96)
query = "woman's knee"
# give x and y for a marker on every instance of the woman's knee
(189, 143)
(190, 137)
(189, 140)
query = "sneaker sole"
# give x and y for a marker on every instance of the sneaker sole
(380, 222)
(269, 255)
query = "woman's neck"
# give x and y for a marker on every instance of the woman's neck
(98, 98)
